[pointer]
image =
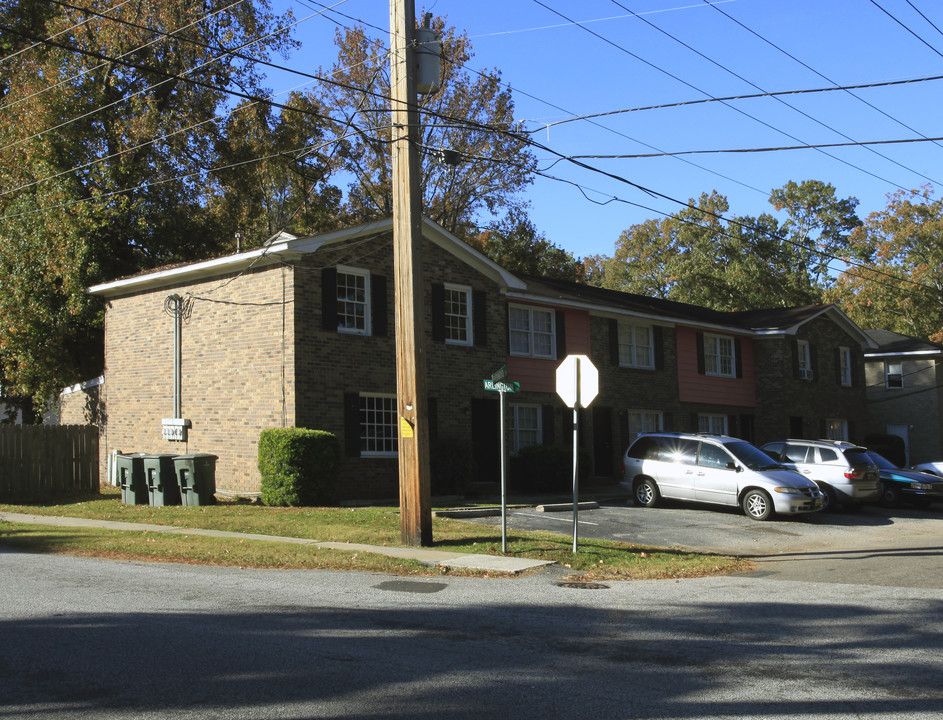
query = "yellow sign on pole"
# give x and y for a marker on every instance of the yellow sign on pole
(405, 428)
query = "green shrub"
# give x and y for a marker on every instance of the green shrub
(298, 466)
(450, 463)
(546, 468)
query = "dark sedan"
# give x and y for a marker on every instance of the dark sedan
(899, 485)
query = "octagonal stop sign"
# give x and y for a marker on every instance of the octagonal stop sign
(577, 381)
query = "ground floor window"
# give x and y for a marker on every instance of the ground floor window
(643, 421)
(836, 429)
(378, 434)
(525, 426)
(713, 424)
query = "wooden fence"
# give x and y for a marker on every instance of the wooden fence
(47, 461)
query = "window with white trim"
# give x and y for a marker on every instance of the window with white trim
(353, 301)
(378, 431)
(712, 423)
(893, 374)
(844, 362)
(531, 331)
(720, 356)
(805, 359)
(642, 421)
(636, 346)
(458, 314)
(526, 427)
(836, 429)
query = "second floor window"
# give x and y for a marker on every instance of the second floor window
(719, 356)
(844, 366)
(805, 360)
(636, 348)
(458, 317)
(353, 301)
(893, 374)
(531, 332)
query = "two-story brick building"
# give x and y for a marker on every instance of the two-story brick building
(299, 333)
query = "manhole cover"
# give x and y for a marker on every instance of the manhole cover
(583, 585)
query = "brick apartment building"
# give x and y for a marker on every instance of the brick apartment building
(299, 333)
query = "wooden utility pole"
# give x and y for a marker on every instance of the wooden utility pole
(414, 493)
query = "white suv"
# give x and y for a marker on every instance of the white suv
(714, 469)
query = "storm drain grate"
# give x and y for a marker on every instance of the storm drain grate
(583, 585)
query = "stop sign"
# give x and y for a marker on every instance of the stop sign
(577, 381)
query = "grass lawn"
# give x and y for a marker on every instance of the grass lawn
(375, 525)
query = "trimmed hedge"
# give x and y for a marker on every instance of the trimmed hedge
(298, 466)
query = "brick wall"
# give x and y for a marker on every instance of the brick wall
(237, 355)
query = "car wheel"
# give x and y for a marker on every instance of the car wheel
(646, 493)
(829, 502)
(758, 505)
(890, 495)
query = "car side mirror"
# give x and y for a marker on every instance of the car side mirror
(733, 466)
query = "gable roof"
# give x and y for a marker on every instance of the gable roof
(285, 247)
(892, 343)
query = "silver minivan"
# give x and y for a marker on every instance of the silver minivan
(714, 469)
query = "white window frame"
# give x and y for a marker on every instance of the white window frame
(836, 429)
(899, 374)
(636, 346)
(712, 423)
(844, 360)
(454, 320)
(365, 302)
(804, 359)
(523, 339)
(720, 356)
(644, 421)
(517, 429)
(379, 431)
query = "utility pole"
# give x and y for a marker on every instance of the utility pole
(414, 491)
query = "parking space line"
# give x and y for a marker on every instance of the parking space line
(545, 516)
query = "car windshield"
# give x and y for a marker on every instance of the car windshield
(881, 461)
(752, 456)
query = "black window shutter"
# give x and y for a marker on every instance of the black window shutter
(438, 312)
(352, 424)
(733, 425)
(795, 359)
(378, 305)
(614, 342)
(658, 337)
(480, 317)
(856, 362)
(560, 329)
(814, 360)
(738, 356)
(695, 422)
(838, 377)
(700, 354)
(667, 421)
(329, 299)
(546, 424)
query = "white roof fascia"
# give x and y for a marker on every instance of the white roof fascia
(285, 246)
(842, 319)
(909, 353)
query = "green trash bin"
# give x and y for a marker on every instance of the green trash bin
(132, 479)
(162, 488)
(196, 478)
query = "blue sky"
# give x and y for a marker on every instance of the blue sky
(683, 50)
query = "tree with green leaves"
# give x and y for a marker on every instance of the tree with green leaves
(705, 256)
(108, 130)
(473, 159)
(895, 282)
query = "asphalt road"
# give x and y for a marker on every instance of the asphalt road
(87, 638)
(902, 547)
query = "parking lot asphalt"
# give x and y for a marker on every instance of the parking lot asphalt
(900, 547)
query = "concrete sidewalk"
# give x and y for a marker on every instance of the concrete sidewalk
(443, 558)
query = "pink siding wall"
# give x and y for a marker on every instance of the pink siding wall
(537, 375)
(695, 388)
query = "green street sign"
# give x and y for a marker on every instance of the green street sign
(495, 386)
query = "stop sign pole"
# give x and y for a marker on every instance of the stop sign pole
(577, 386)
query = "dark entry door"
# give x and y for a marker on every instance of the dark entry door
(602, 441)
(486, 439)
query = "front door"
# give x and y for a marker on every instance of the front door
(602, 441)
(486, 439)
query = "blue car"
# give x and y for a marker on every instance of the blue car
(912, 486)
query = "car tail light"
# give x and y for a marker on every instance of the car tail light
(854, 474)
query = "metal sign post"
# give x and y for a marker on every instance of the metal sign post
(497, 384)
(577, 386)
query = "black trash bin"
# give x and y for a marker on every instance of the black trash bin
(132, 479)
(162, 488)
(196, 478)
